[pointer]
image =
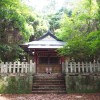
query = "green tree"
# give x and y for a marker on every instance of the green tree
(15, 18)
(77, 30)
(93, 41)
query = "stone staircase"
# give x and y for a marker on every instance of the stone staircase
(48, 83)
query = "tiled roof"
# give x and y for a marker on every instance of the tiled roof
(46, 41)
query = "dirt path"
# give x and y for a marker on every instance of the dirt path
(92, 96)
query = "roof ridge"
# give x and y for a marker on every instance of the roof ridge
(48, 33)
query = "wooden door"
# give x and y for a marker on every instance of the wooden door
(52, 68)
(51, 64)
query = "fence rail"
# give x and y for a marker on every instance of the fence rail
(17, 67)
(80, 67)
(70, 67)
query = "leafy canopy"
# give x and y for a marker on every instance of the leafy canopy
(81, 31)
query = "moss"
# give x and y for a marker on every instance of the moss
(15, 85)
(2, 86)
(82, 84)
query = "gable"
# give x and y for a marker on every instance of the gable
(48, 38)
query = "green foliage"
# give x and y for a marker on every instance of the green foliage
(81, 33)
(18, 14)
(2, 85)
(40, 26)
(10, 52)
(77, 48)
(15, 18)
(78, 28)
(54, 21)
(93, 40)
(15, 85)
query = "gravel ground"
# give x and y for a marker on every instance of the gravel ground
(91, 96)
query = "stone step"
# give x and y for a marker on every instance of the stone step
(48, 83)
(48, 80)
(48, 76)
(48, 88)
(49, 92)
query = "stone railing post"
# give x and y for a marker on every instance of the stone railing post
(63, 67)
(32, 68)
(66, 66)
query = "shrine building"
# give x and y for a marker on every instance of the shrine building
(44, 53)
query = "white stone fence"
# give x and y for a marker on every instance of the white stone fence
(17, 67)
(82, 67)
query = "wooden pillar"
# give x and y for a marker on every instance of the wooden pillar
(28, 57)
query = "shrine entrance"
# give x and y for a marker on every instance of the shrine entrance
(48, 63)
